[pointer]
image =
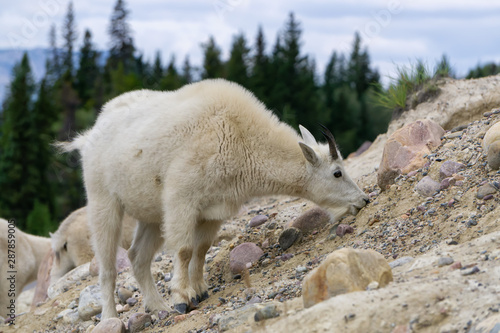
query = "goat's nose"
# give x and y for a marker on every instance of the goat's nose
(367, 201)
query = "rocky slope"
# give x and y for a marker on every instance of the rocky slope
(444, 250)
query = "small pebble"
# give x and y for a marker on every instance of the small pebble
(445, 261)
(258, 220)
(470, 271)
(131, 301)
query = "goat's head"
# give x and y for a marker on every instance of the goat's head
(63, 262)
(328, 183)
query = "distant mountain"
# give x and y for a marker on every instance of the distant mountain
(9, 57)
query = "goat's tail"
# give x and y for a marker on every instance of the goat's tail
(68, 146)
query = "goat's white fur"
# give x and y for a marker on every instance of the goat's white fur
(71, 242)
(29, 253)
(190, 158)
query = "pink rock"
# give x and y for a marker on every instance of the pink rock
(111, 325)
(343, 229)
(311, 220)
(404, 150)
(258, 220)
(243, 254)
(449, 168)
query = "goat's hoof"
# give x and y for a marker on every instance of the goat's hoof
(195, 301)
(181, 308)
(204, 296)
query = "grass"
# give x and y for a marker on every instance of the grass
(413, 84)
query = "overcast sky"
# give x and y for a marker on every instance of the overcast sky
(395, 31)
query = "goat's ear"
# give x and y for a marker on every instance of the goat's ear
(309, 154)
(307, 136)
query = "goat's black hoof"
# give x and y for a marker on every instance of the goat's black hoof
(204, 296)
(194, 301)
(181, 308)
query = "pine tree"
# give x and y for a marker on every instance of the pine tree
(187, 72)
(122, 44)
(259, 73)
(25, 158)
(237, 65)
(172, 80)
(88, 70)
(157, 73)
(53, 64)
(212, 63)
(69, 34)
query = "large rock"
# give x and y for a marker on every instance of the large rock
(311, 220)
(139, 321)
(491, 145)
(90, 302)
(404, 151)
(427, 187)
(68, 280)
(449, 168)
(242, 255)
(345, 271)
(111, 325)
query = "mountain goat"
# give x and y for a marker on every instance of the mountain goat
(71, 242)
(190, 158)
(24, 252)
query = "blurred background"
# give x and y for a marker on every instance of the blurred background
(350, 66)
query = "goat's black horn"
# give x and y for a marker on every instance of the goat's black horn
(331, 142)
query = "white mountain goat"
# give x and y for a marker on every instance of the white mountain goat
(71, 242)
(190, 158)
(25, 255)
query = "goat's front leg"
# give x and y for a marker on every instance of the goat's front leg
(205, 233)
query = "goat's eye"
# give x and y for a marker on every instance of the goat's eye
(65, 246)
(337, 174)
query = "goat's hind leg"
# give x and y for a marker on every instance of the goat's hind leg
(147, 241)
(105, 216)
(205, 233)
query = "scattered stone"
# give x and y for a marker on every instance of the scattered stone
(286, 256)
(162, 314)
(470, 271)
(488, 197)
(288, 237)
(243, 254)
(311, 220)
(122, 262)
(138, 322)
(90, 302)
(344, 271)
(449, 168)
(493, 155)
(131, 301)
(404, 150)
(68, 280)
(445, 261)
(71, 316)
(400, 262)
(402, 329)
(447, 182)
(179, 318)
(267, 312)
(372, 285)
(255, 300)
(258, 220)
(343, 229)
(485, 189)
(457, 265)
(167, 277)
(111, 325)
(124, 294)
(301, 269)
(235, 318)
(427, 187)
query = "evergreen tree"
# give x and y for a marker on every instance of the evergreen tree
(172, 80)
(53, 65)
(259, 74)
(122, 44)
(237, 65)
(212, 63)
(24, 160)
(69, 34)
(484, 70)
(187, 72)
(157, 69)
(88, 70)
